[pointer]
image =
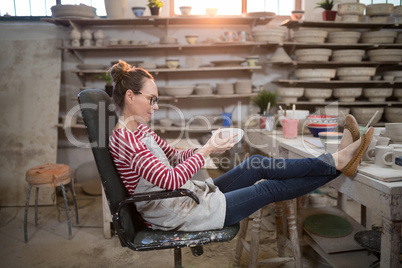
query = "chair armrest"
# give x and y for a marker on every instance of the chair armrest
(157, 195)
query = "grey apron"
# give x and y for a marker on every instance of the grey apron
(182, 213)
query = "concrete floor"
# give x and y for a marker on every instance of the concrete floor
(49, 246)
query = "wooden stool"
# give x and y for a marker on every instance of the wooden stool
(49, 175)
(282, 238)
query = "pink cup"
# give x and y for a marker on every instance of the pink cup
(290, 128)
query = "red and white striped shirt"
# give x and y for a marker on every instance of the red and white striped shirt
(134, 160)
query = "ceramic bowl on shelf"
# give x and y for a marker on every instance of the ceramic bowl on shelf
(393, 114)
(224, 88)
(191, 39)
(315, 74)
(165, 122)
(138, 11)
(73, 11)
(310, 36)
(211, 11)
(203, 89)
(252, 60)
(269, 35)
(313, 54)
(381, 55)
(289, 94)
(364, 114)
(185, 10)
(350, 12)
(347, 94)
(243, 86)
(179, 90)
(398, 93)
(377, 94)
(317, 94)
(379, 37)
(348, 55)
(166, 40)
(172, 63)
(355, 73)
(344, 37)
(379, 9)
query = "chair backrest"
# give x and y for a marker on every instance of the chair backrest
(100, 117)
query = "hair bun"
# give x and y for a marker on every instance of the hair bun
(120, 70)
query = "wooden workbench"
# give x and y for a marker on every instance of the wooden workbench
(373, 194)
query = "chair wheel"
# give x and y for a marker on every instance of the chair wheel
(197, 250)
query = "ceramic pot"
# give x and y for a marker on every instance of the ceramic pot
(154, 11)
(328, 15)
(116, 9)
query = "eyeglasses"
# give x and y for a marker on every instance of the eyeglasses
(152, 101)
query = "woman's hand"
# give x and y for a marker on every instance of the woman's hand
(217, 145)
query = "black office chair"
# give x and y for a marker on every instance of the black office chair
(100, 118)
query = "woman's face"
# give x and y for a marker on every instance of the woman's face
(139, 106)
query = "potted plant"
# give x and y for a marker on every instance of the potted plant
(265, 100)
(154, 6)
(328, 14)
(108, 79)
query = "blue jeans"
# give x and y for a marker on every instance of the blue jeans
(283, 179)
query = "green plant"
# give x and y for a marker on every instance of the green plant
(325, 4)
(155, 3)
(107, 77)
(263, 98)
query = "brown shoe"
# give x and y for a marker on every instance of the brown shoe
(352, 126)
(350, 169)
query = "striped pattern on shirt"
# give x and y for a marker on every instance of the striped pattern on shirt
(134, 160)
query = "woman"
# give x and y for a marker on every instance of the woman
(147, 163)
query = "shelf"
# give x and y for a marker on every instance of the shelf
(179, 70)
(333, 64)
(165, 21)
(169, 46)
(355, 103)
(339, 24)
(214, 96)
(340, 46)
(337, 82)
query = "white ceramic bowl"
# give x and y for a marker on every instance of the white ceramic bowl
(350, 9)
(355, 73)
(364, 114)
(393, 115)
(310, 36)
(380, 55)
(227, 132)
(348, 55)
(377, 94)
(313, 54)
(344, 37)
(397, 12)
(73, 11)
(315, 74)
(166, 122)
(268, 35)
(203, 89)
(347, 94)
(185, 10)
(317, 94)
(379, 9)
(290, 94)
(179, 90)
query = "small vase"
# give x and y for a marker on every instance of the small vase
(328, 15)
(154, 11)
(116, 9)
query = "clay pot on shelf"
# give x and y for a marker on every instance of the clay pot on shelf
(329, 15)
(154, 11)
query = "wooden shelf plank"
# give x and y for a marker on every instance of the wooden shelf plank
(165, 21)
(163, 46)
(178, 70)
(338, 24)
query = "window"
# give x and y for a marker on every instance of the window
(42, 7)
(369, 2)
(237, 7)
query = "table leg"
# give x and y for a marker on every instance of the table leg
(390, 243)
(341, 201)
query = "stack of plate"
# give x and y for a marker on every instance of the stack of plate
(243, 86)
(203, 89)
(224, 88)
(380, 55)
(315, 74)
(310, 36)
(147, 65)
(73, 11)
(379, 37)
(179, 90)
(355, 73)
(168, 40)
(344, 37)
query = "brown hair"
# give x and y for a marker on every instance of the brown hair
(126, 77)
